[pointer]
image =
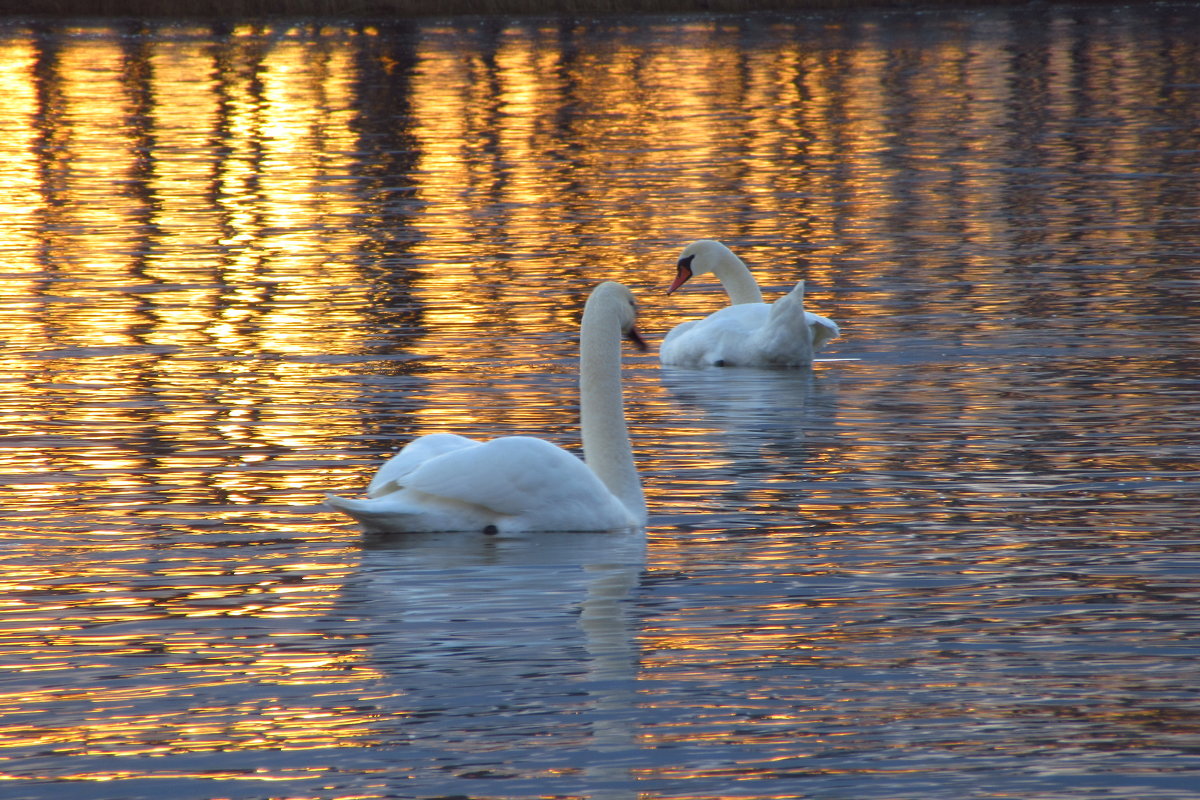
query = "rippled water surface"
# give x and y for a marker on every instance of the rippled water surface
(243, 263)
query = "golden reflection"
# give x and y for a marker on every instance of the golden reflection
(115, 672)
(173, 233)
(210, 239)
(218, 216)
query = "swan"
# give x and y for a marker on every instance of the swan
(447, 482)
(749, 332)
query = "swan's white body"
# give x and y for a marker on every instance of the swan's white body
(446, 482)
(749, 332)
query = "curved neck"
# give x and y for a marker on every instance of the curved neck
(606, 446)
(737, 279)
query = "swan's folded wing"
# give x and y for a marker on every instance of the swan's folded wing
(395, 471)
(512, 475)
(823, 329)
(721, 336)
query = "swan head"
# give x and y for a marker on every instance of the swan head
(698, 258)
(617, 297)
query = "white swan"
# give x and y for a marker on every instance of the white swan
(749, 332)
(446, 482)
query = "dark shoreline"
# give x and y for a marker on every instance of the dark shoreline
(192, 9)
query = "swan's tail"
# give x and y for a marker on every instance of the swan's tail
(373, 515)
(823, 329)
(392, 514)
(347, 505)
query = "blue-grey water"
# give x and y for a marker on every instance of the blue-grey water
(242, 263)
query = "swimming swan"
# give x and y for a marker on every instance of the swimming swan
(446, 482)
(749, 332)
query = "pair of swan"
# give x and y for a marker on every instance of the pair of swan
(446, 482)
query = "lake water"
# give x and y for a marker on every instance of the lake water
(956, 559)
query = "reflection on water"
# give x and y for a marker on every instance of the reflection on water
(242, 263)
(533, 627)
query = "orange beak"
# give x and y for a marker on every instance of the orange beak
(683, 271)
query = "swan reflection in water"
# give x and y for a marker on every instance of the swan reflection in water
(509, 655)
(752, 440)
(750, 402)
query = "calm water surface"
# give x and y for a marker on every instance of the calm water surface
(958, 559)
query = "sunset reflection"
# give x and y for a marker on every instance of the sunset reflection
(244, 263)
(235, 236)
(179, 249)
(182, 667)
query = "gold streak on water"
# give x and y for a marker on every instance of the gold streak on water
(186, 226)
(189, 249)
(169, 211)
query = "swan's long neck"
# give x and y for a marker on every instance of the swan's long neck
(606, 446)
(737, 279)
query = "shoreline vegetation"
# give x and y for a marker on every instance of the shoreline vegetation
(440, 8)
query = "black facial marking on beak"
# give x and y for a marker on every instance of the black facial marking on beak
(683, 271)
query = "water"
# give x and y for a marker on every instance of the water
(243, 263)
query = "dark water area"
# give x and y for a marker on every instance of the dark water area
(243, 263)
